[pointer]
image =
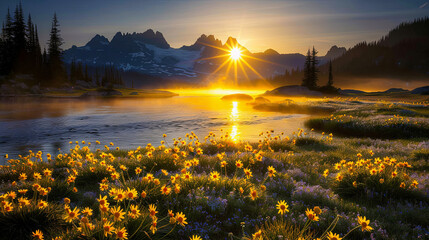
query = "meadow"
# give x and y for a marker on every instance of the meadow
(358, 172)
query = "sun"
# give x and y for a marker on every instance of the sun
(235, 53)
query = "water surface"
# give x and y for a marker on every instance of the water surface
(49, 124)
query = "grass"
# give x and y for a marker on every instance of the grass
(206, 183)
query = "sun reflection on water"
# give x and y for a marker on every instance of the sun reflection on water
(235, 114)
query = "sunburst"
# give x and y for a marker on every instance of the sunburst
(235, 58)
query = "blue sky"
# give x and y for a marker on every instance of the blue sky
(288, 26)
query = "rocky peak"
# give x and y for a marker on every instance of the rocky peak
(335, 52)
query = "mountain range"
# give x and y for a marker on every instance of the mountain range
(148, 54)
(399, 59)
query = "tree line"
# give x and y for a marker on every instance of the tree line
(21, 53)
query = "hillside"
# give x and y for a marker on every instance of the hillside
(402, 55)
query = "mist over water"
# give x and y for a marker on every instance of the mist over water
(49, 124)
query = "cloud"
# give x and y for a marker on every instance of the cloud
(424, 5)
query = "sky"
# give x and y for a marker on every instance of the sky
(287, 26)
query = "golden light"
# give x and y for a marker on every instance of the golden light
(235, 53)
(234, 119)
(236, 59)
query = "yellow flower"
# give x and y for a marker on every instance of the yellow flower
(37, 235)
(138, 170)
(333, 236)
(42, 204)
(402, 185)
(101, 200)
(195, 237)
(120, 195)
(177, 188)
(181, 219)
(326, 173)
(121, 233)
(71, 214)
(248, 173)
(271, 171)
(214, 176)
(117, 213)
(131, 193)
(108, 228)
(153, 225)
(134, 211)
(22, 177)
(37, 176)
(23, 201)
(143, 194)
(414, 183)
(87, 211)
(339, 177)
(104, 186)
(253, 193)
(152, 210)
(381, 180)
(257, 235)
(355, 184)
(311, 215)
(317, 210)
(47, 172)
(186, 176)
(282, 206)
(165, 190)
(7, 206)
(239, 164)
(364, 223)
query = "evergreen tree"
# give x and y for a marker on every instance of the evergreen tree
(6, 52)
(97, 77)
(331, 77)
(314, 70)
(73, 72)
(79, 71)
(56, 66)
(87, 78)
(306, 81)
(19, 39)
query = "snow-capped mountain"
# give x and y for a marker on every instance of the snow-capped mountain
(149, 53)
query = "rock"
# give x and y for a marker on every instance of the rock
(102, 93)
(84, 84)
(21, 85)
(292, 90)
(262, 100)
(35, 89)
(237, 97)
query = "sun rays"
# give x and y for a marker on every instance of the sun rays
(235, 59)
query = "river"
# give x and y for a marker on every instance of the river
(49, 124)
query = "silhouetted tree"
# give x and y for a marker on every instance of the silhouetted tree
(19, 42)
(314, 70)
(307, 81)
(330, 77)
(56, 66)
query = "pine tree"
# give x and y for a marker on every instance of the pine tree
(314, 70)
(73, 72)
(97, 77)
(330, 78)
(306, 81)
(56, 66)
(7, 54)
(19, 40)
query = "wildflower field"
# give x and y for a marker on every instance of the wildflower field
(360, 173)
